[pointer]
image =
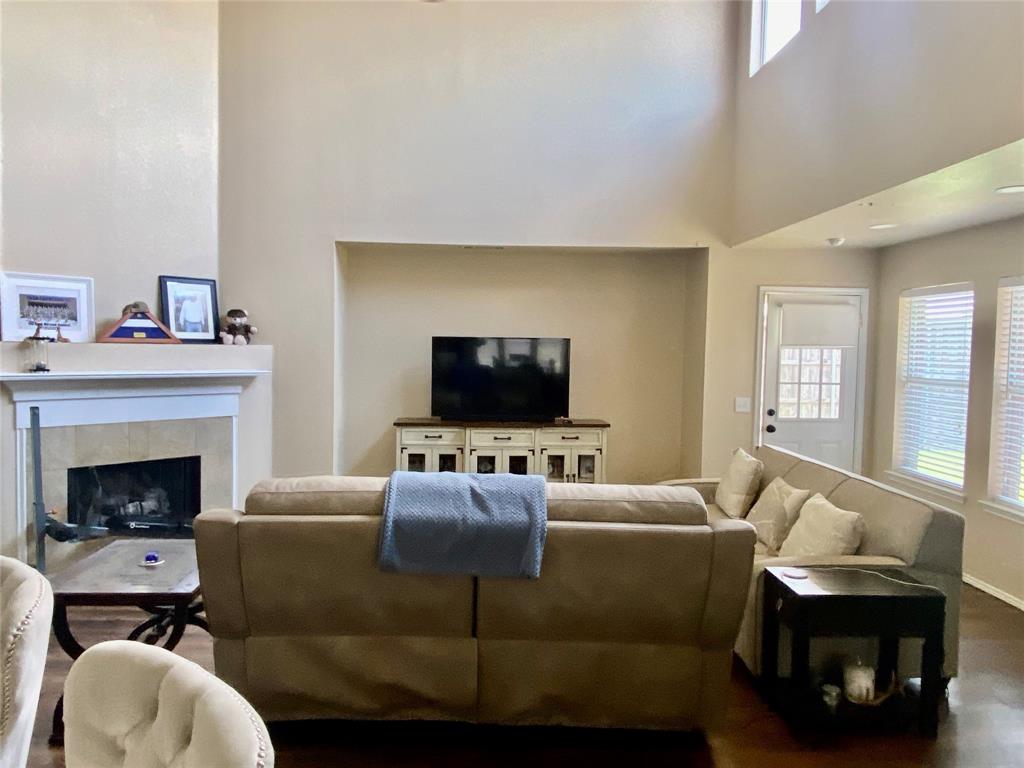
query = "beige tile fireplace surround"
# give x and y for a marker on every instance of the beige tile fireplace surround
(111, 404)
(85, 445)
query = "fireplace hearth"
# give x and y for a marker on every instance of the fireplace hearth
(156, 498)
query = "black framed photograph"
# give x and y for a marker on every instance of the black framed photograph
(188, 306)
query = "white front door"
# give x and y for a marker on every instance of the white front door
(811, 382)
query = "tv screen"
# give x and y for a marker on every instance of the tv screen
(499, 379)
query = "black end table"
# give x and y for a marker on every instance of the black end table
(849, 602)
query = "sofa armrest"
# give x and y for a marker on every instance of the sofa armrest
(705, 486)
(942, 547)
(220, 572)
(731, 564)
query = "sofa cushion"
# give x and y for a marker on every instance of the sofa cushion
(894, 524)
(334, 495)
(600, 583)
(776, 463)
(824, 529)
(660, 504)
(317, 495)
(817, 478)
(775, 511)
(738, 487)
(319, 575)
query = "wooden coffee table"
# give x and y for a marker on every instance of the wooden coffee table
(886, 603)
(113, 576)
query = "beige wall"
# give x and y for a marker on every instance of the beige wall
(695, 315)
(110, 144)
(869, 95)
(623, 312)
(568, 124)
(994, 546)
(733, 281)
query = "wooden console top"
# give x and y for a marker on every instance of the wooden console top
(433, 421)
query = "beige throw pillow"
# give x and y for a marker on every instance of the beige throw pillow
(738, 487)
(824, 529)
(775, 512)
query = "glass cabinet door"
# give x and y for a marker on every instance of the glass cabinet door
(416, 460)
(484, 462)
(448, 459)
(555, 465)
(586, 465)
(517, 462)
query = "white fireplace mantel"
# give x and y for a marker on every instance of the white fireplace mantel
(192, 373)
(110, 397)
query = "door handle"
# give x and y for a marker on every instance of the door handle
(770, 429)
(771, 411)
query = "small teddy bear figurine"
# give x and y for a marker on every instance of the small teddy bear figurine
(236, 328)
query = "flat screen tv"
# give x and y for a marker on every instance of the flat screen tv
(476, 378)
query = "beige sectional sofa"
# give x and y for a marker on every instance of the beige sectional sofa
(631, 623)
(923, 539)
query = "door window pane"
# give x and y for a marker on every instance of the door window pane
(810, 372)
(486, 464)
(789, 372)
(809, 388)
(417, 462)
(788, 410)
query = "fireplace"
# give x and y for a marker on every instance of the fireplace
(155, 498)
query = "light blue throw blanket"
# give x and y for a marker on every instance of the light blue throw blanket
(468, 524)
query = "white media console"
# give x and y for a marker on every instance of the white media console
(565, 451)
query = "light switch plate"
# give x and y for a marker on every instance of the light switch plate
(742, 405)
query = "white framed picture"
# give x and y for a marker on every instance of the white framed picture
(61, 306)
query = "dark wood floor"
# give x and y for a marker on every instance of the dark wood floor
(983, 728)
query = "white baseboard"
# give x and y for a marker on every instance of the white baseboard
(984, 586)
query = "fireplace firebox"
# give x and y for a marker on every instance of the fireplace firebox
(157, 498)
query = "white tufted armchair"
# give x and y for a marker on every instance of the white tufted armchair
(26, 607)
(127, 703)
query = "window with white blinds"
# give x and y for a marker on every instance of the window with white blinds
(1006, 458)
(934, 372)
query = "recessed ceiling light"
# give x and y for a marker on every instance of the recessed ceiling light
(881, 226)
(1010, 189)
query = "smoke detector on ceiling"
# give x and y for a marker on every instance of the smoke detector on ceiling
(835, 242)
